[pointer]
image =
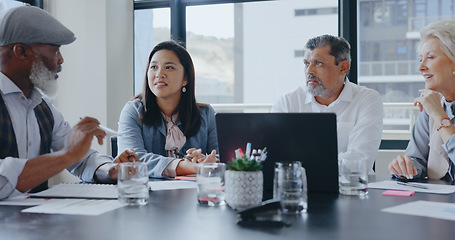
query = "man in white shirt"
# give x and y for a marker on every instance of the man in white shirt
(359, 110)
(36, 142)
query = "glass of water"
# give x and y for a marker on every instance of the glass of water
(290, 187)
(353, 175)
(210, 183)
(132, 183)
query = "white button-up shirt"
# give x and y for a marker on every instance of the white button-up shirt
(359, 112)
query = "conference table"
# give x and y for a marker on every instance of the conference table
(176, 214)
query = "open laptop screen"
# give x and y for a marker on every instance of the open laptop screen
(310, 138)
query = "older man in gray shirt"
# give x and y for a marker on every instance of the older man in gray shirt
(35, 141)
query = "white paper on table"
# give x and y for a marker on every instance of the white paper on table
(431, 188)
(24, 200)
(171, 185)
(76, 207)
(426, 209)
(76, 190)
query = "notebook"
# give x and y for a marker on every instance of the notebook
(79, 190)
(310, 138)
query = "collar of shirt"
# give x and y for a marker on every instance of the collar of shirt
(8, 87)
(449, 108)
(346, 95)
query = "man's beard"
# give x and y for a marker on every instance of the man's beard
(43, 79)
(318, 90)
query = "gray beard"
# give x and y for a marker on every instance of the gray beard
(316, 91)
(43, 79)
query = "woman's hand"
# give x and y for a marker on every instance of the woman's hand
(402, 166)
(197, 156)
(188, 166)
(431, 102)
(211, 158)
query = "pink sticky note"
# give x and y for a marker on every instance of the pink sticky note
(398, 193)
(191, 178)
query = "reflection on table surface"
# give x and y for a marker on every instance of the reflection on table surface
(174, 214)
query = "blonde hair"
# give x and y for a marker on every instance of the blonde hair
(445, 32)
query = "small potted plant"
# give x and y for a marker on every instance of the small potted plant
(243, 182)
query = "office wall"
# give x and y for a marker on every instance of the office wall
(97, 76)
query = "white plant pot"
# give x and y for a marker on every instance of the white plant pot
(243, 188)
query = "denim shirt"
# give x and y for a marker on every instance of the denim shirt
(148, 141)
(418, 148)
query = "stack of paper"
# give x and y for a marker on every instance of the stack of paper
(76, 190)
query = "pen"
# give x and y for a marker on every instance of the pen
(254, 154)
(237, 153)
(111, 131)
(412, 185)
(263, 155)
(241, 152)
(183, 155)
(106, 129)
(248, 150)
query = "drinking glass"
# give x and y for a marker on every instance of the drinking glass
(353, 175)
(132, 183)
(210, 183)
(290, 187)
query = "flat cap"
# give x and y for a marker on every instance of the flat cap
(29, 25)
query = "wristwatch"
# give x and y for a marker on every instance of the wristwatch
(445, 122)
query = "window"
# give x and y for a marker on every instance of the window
(387, 42)
(151, 26)
(241, 53)
(6, 4)
(211, 45)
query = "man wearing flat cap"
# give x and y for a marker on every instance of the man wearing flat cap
(36, 142)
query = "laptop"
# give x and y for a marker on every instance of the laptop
(310, 138)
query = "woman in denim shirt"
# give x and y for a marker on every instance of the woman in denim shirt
(431, 150)
(165, 118)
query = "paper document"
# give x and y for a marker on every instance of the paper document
(171, 185)
(430, 188)
(26, 201)
(75, 190)
(426, 209)
(77, 207)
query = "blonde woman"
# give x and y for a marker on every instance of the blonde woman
(430, 152)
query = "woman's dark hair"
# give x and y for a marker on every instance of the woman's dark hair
(189, 112)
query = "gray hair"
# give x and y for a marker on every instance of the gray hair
(339, 47)
(445, 32)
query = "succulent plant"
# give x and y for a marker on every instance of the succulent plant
(244, 164)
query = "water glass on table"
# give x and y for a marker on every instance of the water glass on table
(132, 183)
(210, 183)
(290, 187)
(353, 175)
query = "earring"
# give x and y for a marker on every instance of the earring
(183, 89)
(453, 72)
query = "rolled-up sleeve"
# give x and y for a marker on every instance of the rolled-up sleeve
(85, 169)
(10, 169)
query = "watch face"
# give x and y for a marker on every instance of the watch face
(445, 122)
